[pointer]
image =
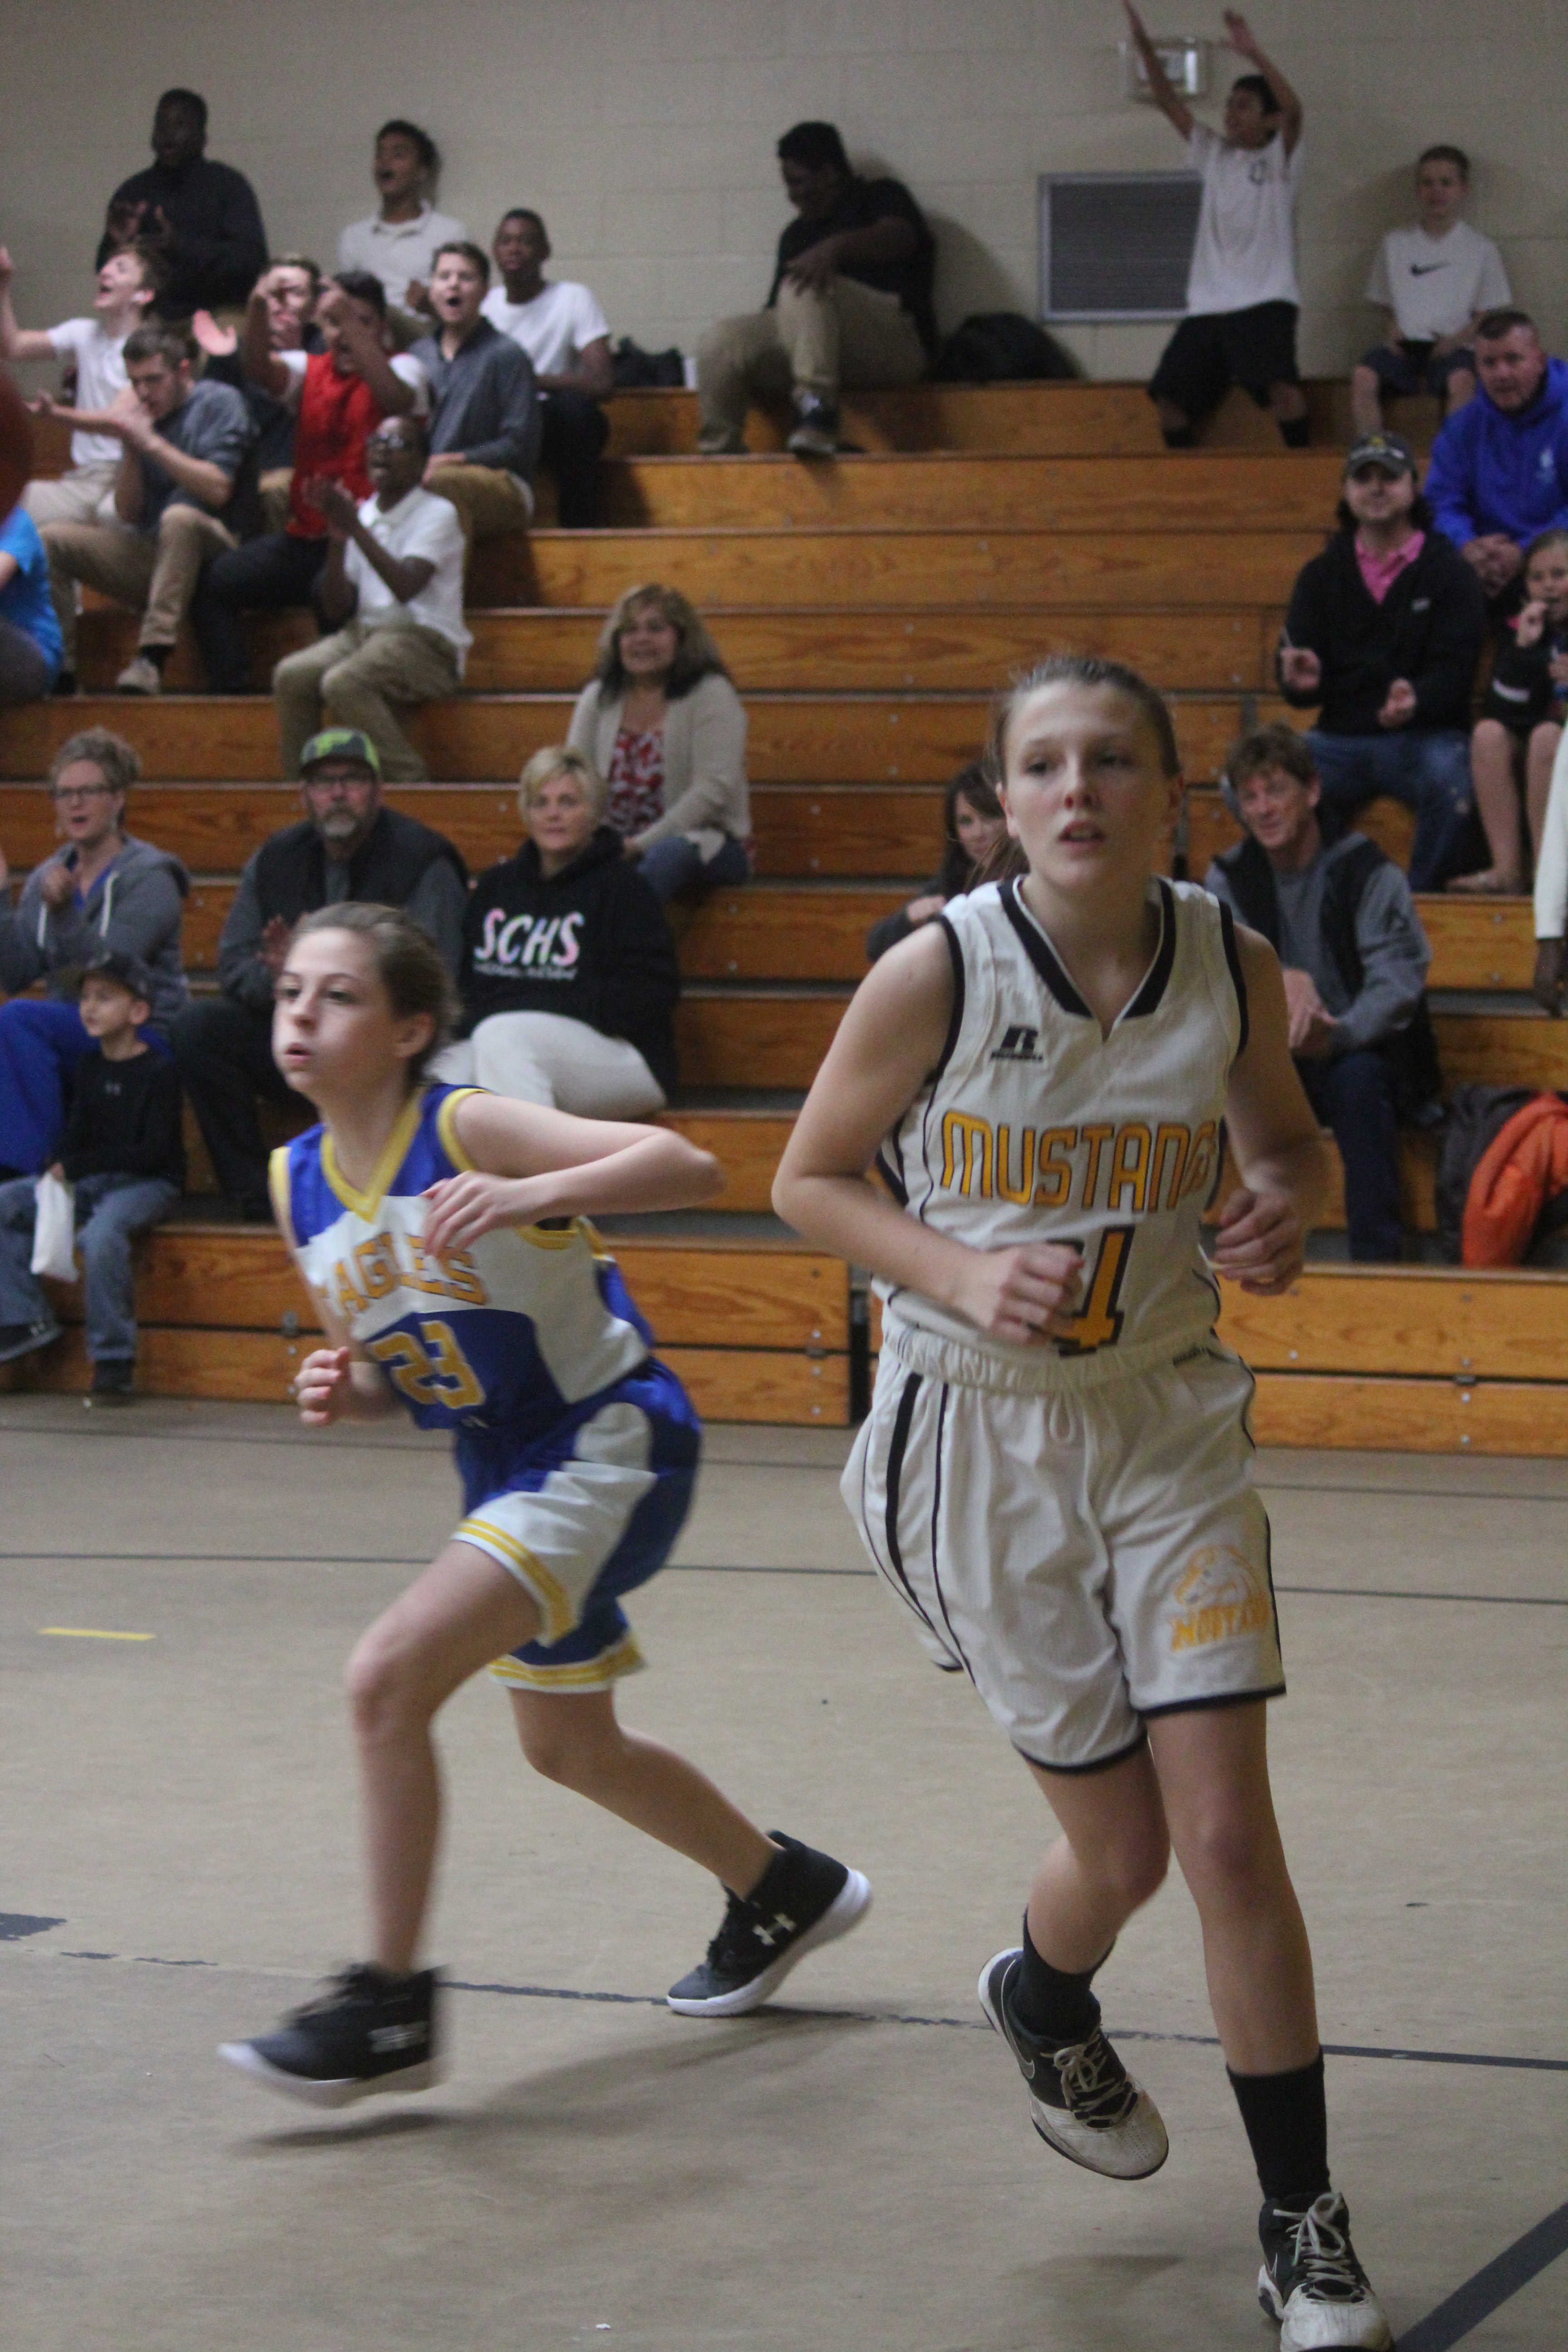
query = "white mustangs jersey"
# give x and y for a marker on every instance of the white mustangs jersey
(1034, 1126)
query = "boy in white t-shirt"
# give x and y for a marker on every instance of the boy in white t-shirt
(127, 285)
(399, 242)
(562, 328)
(1242, 293)
(1436, 281)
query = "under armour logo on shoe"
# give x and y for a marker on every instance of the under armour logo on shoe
(767, 1935)
(397, 2037)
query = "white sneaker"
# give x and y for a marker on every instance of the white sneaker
(1082, 2100)
(140, 675)
(1312, 2283)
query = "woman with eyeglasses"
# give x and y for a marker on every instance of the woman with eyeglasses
(102, 888)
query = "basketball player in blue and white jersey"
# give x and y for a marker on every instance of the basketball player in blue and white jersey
(1055, 1477)
(442, 1233)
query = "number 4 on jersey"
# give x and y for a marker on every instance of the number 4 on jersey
(1097, 1323)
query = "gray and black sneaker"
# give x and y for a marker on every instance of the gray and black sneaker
(113, 1382)
(1311, 2281)
(1082, 2100)
(368, 2032)
(815, 431)
(21, 1339)
(806, 1899)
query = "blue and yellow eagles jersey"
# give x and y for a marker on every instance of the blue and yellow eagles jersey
(507, 1336)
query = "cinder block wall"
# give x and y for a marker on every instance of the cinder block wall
(644, 131)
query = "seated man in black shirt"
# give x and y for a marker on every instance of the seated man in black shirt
(201, 219)
(122, 1154)
(850, 303)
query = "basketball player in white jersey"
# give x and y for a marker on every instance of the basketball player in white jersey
(1055, 1476)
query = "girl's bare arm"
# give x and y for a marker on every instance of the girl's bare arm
(530, 1163)
(1275, 1135)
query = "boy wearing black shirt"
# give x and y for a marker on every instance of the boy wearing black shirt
(850, 303)
(121, 1150)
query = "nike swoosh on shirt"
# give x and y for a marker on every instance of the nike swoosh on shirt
(1424, 268)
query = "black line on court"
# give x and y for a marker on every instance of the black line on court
(1463, 2311)
(853, 2016)
(699, 1567)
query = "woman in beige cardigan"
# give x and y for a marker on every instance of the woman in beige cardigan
(661, 721)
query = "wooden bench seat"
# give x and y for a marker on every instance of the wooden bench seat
(541, 650)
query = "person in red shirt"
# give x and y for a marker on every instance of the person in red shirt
(339, 395)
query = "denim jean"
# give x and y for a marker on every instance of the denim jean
(676, 863)
(1353, 1094)
(111, 1211)
(1427, 768)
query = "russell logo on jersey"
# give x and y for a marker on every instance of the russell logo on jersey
(1018, 1044)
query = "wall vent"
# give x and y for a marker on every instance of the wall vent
(1116, 245)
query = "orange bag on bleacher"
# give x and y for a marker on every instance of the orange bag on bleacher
(1523, 1167)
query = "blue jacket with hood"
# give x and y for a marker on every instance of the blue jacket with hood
(1494, 472)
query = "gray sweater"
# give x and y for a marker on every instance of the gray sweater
(134, 907)
(1388, 934)
(484, 401)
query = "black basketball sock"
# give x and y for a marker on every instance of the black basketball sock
(1053, 2004)
(156, 655)
(1295, 431)
(1179, 436)
(1287, 2121)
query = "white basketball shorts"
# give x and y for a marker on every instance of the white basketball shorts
(1090, 1556)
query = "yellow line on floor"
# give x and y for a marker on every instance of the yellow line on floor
(94, 1634)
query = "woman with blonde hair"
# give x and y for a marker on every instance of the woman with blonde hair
(568, 974)
(660, 719)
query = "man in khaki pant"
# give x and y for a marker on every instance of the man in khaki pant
(394, 583)
(850, 303)
(183, 449)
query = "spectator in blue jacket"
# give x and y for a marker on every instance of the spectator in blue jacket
(29, 631)
(1499, 474)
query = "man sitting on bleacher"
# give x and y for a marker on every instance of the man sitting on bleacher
(347, 846)
(1499, 474)
(850, 303)
(1340, 917)
(1385, 631)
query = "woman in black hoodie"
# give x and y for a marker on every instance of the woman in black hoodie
(569, 978)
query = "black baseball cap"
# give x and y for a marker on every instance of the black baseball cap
(112, 963)
(1389, 451)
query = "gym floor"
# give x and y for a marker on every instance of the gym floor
(854, 2169)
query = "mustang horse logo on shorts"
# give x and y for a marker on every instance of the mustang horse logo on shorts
(1219, 1595)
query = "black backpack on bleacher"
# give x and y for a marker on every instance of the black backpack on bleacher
(1002, 346)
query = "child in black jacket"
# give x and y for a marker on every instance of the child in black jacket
(569, 978)
(1521, 718)
(123, 1151)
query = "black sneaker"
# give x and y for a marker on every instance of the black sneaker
(22, 1338)
(806, 1899)
(1311, 2281)
(1082, 2100)
(368, 2032)
(815, 431)
(113, 1382)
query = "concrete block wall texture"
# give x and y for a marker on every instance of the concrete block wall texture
(644, 131)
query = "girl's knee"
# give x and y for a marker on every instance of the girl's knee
(1138, 1865)
(382, 1685)
(566, 1741)
(1229, 1854)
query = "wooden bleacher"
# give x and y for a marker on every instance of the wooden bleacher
(866, 609)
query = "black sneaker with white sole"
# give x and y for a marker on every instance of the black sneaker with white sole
(806, 1900)
(22, 1338)
(815, 433)
(1082, 2100)
(1312, 2283)
(368, 2032)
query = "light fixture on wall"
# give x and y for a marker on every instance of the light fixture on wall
(1185, 58)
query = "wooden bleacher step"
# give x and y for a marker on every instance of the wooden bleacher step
(223, 1313)
(543, 651)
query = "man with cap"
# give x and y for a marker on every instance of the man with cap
(1383, 633)
(347, 846)
(122, 1155)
